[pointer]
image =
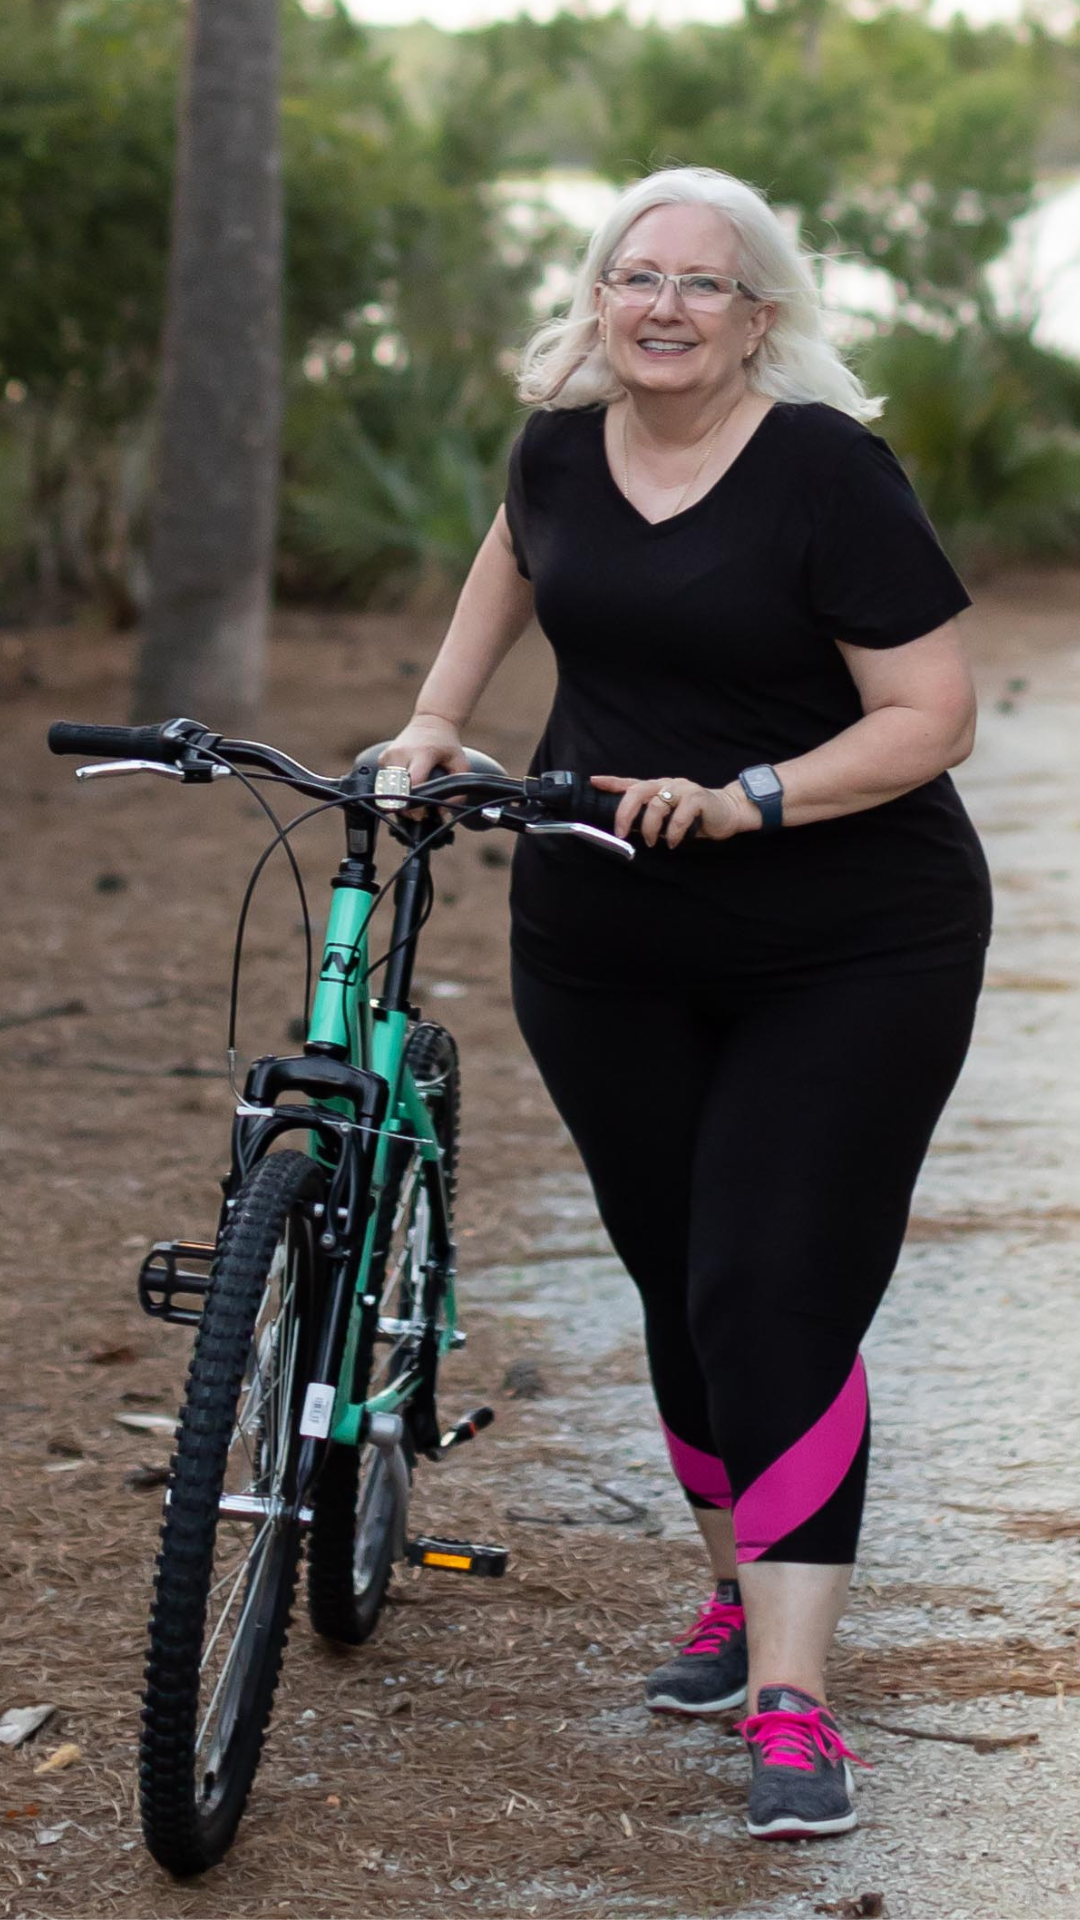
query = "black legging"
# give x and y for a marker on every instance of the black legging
(753, 1152)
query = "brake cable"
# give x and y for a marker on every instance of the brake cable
(281, 837)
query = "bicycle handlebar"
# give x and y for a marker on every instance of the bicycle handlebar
(556, 797)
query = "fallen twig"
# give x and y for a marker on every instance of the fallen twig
(633, 1507)
(547, 1519)
(981, 1742)
(42, 1013)
(151, 1073)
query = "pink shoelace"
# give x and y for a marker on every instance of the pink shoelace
(713, 1627)
(795, 1739)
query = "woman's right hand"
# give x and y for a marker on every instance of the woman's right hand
(426, 743)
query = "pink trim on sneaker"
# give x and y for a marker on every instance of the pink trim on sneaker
(700, 1473)
(799, 1483)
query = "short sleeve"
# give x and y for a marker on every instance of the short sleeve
(516, 515)
(878, 575)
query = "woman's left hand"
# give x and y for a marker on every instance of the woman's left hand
(721, 812)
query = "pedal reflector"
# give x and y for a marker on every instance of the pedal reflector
(458, 1556)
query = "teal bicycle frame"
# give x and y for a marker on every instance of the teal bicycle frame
(374, 1036)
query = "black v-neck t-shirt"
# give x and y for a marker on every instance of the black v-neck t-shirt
(704, 643)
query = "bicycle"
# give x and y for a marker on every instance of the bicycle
(326, 1300)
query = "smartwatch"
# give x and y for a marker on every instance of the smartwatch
(762, 785)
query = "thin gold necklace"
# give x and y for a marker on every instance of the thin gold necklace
(709, 438)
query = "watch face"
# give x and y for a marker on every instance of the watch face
(762, 781)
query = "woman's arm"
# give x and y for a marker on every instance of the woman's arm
(493, 610)
(918, 719)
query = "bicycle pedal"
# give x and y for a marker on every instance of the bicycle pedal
(164, 1281)
(457, 1556)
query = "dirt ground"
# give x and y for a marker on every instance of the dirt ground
(488, 1752)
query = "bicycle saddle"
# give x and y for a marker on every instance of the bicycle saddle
(478, 762)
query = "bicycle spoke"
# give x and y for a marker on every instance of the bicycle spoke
(237, 1639)
(226, 1609)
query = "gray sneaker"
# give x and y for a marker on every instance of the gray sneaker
(801, 1782)
(708, 1675)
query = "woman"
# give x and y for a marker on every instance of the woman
(750, 1033)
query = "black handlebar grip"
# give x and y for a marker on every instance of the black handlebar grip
(597, 808)
(117, 743)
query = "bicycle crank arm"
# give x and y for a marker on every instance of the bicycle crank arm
(254, 1506)
(390, 1330)
(466, 1429)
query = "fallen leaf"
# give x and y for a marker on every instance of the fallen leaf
(65, 1756)
(146, 1422)
(860, 1906)
(523, 1380)
(146, 1475)
(626, 1824)
(21, 1723)
(112, 1356)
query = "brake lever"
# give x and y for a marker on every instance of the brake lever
(102, 769)
(608, 842)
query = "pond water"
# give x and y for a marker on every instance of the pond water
(1038, 274)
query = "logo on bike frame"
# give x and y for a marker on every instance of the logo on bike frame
(340, 963)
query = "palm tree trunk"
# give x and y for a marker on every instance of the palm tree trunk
(215, 500)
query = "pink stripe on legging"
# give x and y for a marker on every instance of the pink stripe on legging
(700, 1473)
(804, 1477)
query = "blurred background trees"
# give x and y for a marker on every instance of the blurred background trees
(420, 243)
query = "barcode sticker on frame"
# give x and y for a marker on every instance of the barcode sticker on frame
(318, 1410)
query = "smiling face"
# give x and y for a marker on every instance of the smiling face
(666, 347)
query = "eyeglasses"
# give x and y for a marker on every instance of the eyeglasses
(640, 286)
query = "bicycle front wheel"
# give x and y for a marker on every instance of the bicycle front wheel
(230, 1543)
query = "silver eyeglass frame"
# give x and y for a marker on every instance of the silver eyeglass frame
(676, 279)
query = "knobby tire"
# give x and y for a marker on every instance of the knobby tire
(239, 1417)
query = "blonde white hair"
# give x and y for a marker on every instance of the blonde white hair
(565, 363)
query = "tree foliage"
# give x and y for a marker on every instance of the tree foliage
(911, 147)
